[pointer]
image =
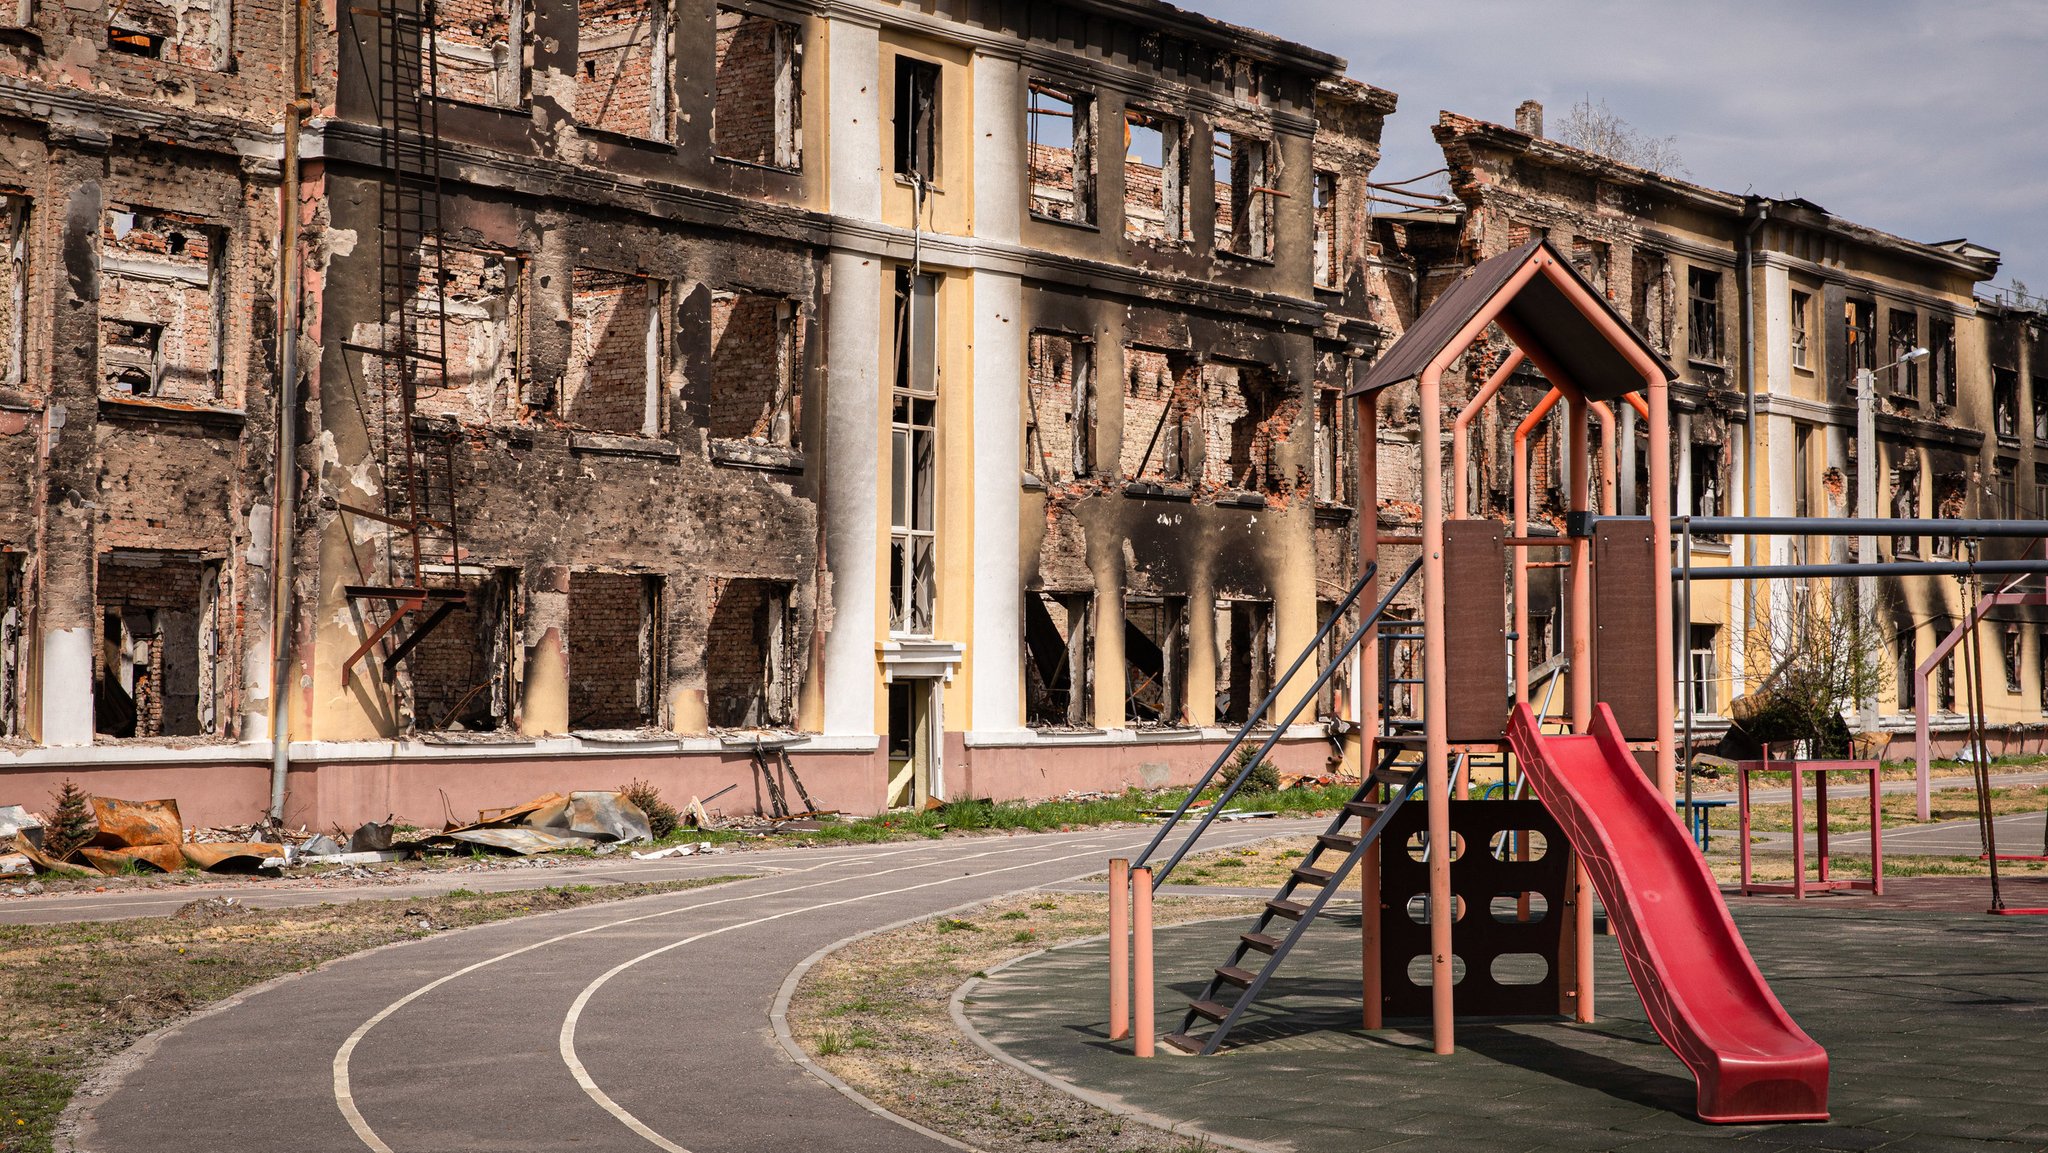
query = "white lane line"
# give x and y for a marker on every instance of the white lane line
(344, 1097)
(575, 1014)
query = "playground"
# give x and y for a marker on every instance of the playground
(1485, 918)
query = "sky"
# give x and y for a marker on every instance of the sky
(1927, 119)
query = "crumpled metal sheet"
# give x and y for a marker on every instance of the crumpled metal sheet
(607, 816)
(537, 813)
(231, 856)
(524, 842)
(127, 824)
(41, 860)
(162, 858)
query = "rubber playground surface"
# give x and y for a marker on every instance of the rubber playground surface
(1934, 1015)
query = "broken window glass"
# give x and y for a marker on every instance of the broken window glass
(1059, 125)
(1802, 305)
(913, 518)
(1703, 334)
(917, 120)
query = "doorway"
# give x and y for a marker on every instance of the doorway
(913, 743)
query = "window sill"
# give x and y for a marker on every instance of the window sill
(903, 180)
(1715, 364)
(171, 412)
(1328, 289)
(1153, 490)
(1244, 257)
(1158, 244)
(1330, 510)
(614, 136)
(1076, 225)
(621, 444)
(1032, 483)
(1237, 498)
(796, 169)
(758, 455)
(523, 108)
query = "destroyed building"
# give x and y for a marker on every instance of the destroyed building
(496, 398)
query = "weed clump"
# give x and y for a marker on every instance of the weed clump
(662, 817)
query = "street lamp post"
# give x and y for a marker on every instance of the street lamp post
(1866, 496)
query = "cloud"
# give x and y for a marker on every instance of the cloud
(1916, 117)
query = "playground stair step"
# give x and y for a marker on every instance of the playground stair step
(1315, 880)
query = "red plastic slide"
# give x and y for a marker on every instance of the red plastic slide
(1698, 983)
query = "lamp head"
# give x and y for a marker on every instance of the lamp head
(1916, 354)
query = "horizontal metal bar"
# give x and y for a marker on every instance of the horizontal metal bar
(1893, 568)
(1855, 526)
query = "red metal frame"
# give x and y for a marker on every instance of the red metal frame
(1799, 886)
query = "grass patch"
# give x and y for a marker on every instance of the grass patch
(77, 993)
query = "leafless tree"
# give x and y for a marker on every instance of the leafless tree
(1596, 128)
(1819, 657)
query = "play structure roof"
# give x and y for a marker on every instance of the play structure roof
(1553, 317)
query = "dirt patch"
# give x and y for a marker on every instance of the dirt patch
(78, 993)
(876, 1014)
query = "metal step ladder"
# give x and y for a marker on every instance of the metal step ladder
(1318, 875)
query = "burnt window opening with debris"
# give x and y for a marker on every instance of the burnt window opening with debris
(917, 120)
(1244, 195)
(1162, 416)
(750, 656)
(1248, 413)
(161, 314)
(1904, 331)
(2040, 506)
(1647, 297)
(622, 67)
(478, 300)
(1802, 468)
(1802, 307)
(1335, 472)
(1329, 264)
(914, 447)
(1590, 258)
(1906, 504)
(756, 369)
(1945, 672)
(1905, 662)
(2005, 403)
(613, 382)
(1155, 178)
(1155, 661)
(1244, 658)
(1059, 651)
(189, 32)
(1703, 331)
(757, 117)
(2005, 489)
(1941, 364)
(1338, 686)
(1059, 407)
(1859, 318)
(614, 637)
(2040, 398)
(478, 56)
(155, 667)
(461, 672)
(1059, 130)
(1951, 502)
(1707, 485)
(13, 625)
(14, 292)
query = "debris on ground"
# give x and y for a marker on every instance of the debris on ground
(683, 850)
(17, 821)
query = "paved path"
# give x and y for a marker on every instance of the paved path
(619, 1027)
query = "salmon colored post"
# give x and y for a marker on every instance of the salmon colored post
(1582, 681)
(1460, 436)
(1141, 924)
(1369, 900)
(1119, 948)
(1519, 558)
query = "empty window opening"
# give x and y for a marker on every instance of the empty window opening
(461, 671)
(1802, 307)
(477, 54)
(1707, 485)
(1589, 257)
(1248, 415)
(1703, 336)
(1648, 295)
(13, 625)
(614, 650)
(2009, 648)
(1905, 337)
(14, 291)
(1059, 676)
(1154, 178)
(1244, 658)
(2040, 491)
(913, 520)
(1802, 469)
(1338, 686)
(614, 375)
(1162, 416)
(750, 658)
(1329, 268)
(756, 362)
(1945, 672)
(478, 300)
(154, 668)
(1906, 505)
(1155, 661)
(190, 32)
(2005, 402)
(917, 120)
(622, 81)
(2005, 488)
(1905, 663)
(757, 118)
(1859, 318)
(160, 307)
(1335, 463)
(1244, 195)
(1951, 502)
(1941, 364)
(1060, 141)
(1059, 407)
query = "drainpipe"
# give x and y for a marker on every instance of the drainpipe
(286, 491)
(1755, 210)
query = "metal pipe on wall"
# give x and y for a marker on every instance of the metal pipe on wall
(284, 500)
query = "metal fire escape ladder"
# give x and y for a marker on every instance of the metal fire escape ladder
(414, 327)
